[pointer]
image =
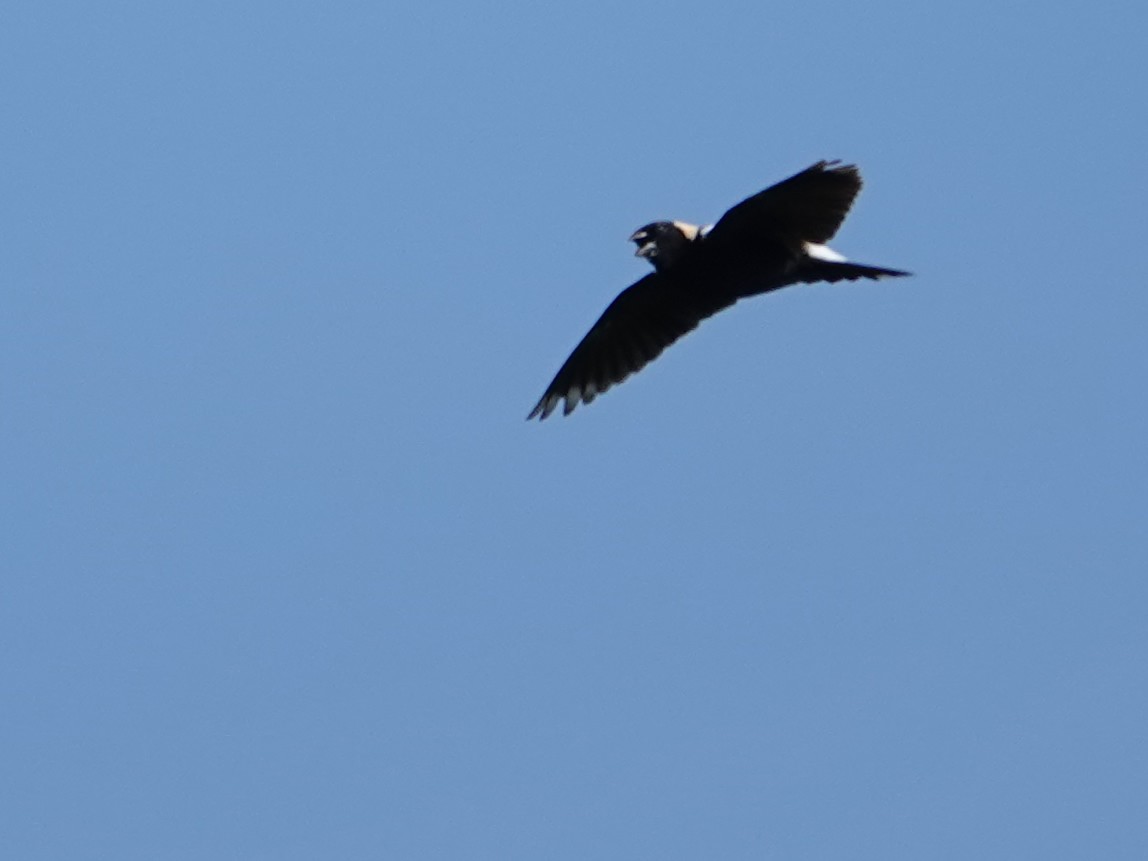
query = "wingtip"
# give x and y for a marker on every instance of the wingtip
(545, 407)
(835, 165)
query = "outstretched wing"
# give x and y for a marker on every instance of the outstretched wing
(642, 321)
(807, 207)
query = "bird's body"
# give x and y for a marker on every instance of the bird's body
(766, 242)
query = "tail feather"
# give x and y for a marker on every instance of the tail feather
(822, 270)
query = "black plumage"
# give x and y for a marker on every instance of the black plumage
(766, 242)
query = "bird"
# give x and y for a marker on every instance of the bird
(770, 240)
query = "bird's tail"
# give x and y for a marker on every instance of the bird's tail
(824, 270)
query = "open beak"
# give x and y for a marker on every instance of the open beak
(645, 249)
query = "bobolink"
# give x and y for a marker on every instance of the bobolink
(768, 241)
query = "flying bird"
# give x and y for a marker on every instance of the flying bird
(768, 241)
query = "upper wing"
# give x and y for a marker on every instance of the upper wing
(642, 321)
(807, 207)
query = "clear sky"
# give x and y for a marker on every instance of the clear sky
(851, 572)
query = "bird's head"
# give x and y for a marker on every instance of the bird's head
(662, 242)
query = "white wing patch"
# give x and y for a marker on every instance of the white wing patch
(823, 252)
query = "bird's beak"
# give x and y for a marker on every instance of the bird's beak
(645, 249)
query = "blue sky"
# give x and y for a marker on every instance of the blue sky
(851, 572)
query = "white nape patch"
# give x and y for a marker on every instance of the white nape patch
(702, 232)
(690, 231)
(823, 252)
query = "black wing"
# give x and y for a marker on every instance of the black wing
(807, 207)
(646, 318)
